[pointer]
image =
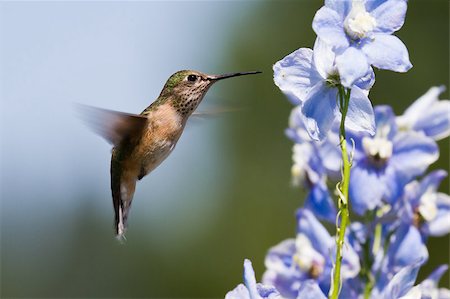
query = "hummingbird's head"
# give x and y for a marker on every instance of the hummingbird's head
(187, 88)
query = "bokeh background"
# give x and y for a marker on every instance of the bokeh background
(222, 196)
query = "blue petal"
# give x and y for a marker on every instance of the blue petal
(411, 198)
(407, 247)
(428, 114)
(323, 57)
(437, 274)
(393, 184)
(240, 292)
(319, 110)
(432, 181)
(360, 115)
(250, 280)
(268, 292)
(387, 52)
(413, 153)
(402, 282)
(315, 231)
(366, 188)
(281, 271)
(352, 288)
(320, 202)
(350, 262)
(404, 209)
(330, 153)
(328, 25)
(305, 155)
(352, 65)
(342, 7)
(280, 255)
(372, 4)
(435, 121)
(297, 130)
(389, 16)
(295, 74)
(385, 120)
(423, 102)
(366, 82)
(291, 133)
(357, 233)
(440, 226)
(310, 290)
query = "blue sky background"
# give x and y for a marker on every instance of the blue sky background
(114, 55)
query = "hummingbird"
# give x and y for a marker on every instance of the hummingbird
(141, 142)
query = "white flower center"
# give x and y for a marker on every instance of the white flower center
(427, 207)
(307, 258)
(359, 22)
(378, 149)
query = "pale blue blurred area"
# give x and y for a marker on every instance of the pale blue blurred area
(114, 55)
(54, 171)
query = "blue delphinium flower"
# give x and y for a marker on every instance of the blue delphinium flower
(327, 150)
(385, 163)
(405, 247)
(425, 207)
(309, 256)
(382, 259)
(310, 78)
(360, 33)
(310, 170)
(318, 199)
(253, 290)
(401, 285)
(428, 115)
(428, 289)
(310, 290)
(250, 289)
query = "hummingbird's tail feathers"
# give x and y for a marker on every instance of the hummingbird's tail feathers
(122, 187)
(120, 228)
(113, 126)
(121, 238)
(121, 221)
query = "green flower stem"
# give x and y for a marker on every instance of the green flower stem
(344, 98)
(368, 289)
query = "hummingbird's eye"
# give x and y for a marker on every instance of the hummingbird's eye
(192, 78)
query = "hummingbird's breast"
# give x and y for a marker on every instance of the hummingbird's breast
(165, 126)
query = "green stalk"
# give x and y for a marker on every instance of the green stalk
(344, 98)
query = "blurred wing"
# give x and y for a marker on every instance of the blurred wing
(213, 112)
(112, 125)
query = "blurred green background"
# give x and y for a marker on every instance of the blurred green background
(222, 196)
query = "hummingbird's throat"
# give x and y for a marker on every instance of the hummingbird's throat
(187, 104)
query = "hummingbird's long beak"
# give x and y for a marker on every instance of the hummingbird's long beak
(224, 76)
